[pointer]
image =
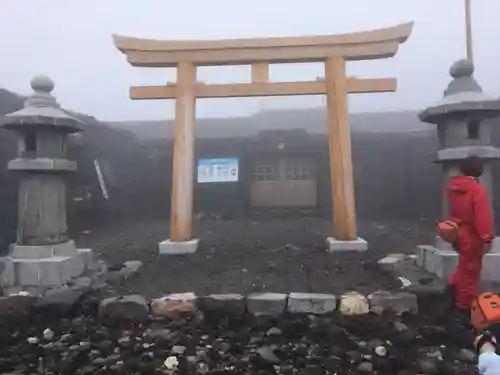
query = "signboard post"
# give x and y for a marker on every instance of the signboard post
(217, 170)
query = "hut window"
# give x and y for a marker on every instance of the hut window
(473, 126)
(299, 169)
(266, 170)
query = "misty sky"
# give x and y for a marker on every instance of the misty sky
(70, 40)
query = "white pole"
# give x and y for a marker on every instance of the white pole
(468, 31)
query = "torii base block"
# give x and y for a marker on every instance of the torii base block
(169, 247)
(334, 245)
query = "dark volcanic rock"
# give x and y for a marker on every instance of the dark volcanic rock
(132, 307)
(267, 354)
(61, 301)
(228, 304)
(286, 345)
(16, 306)
(429, 366)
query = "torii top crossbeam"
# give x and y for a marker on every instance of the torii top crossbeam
(364, 45)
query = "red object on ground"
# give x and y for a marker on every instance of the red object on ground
(469, 205)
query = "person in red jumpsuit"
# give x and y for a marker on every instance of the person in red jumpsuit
(470, 208)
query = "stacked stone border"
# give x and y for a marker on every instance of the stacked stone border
(260, 304)
(135, 307)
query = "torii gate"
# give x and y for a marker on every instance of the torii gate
(333, 50)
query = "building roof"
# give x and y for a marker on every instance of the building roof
(312, 121)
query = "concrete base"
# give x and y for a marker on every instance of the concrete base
(441, 260)
(44, 266)
(175, 248)
(334, 245)
(67, 249)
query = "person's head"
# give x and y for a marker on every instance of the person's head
(471, 166)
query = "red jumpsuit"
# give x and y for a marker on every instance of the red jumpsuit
(470, 208)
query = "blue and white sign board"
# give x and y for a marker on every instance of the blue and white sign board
(218, 170)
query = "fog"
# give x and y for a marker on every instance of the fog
(71, 42)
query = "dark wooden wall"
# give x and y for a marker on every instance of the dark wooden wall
(394, 175)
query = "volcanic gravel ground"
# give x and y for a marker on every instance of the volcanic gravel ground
(245, 255)
(290, 345)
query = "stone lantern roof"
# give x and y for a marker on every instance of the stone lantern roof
(41, 109)
(463, 95)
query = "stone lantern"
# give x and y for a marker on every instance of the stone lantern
(43, 255)
(464, 126)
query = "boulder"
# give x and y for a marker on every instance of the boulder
(398, 303)
(60, 301)
(311, 303)
(353, 303)
(130, 307)
(176, 306)
(266, 303)
(224, 304)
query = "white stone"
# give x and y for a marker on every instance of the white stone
(405, 283)
(335, 245)
(48, 334)
(353, 303)
(311, 303)
(391, 259)
(266, 303)
(133, 265)
(189, 296)
(176, 248)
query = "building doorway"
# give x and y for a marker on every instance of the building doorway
(284, 182)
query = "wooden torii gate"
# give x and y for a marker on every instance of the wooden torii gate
(333, 50)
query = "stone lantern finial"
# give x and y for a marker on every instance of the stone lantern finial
(42, 84)
(462, 68)
(42, 97)
(463, 81)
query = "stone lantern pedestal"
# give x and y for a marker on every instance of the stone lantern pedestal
(463, 120)
(43, 255)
